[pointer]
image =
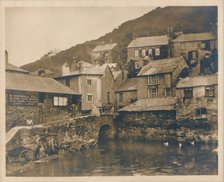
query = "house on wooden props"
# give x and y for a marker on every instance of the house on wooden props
(198, 49)
(96, 84)
(198, 98)
(126, 93)
(106, 53)
(159, 78)
(143, 49)
(36, 99)
(151, 112)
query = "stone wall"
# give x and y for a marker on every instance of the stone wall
(38, 112)
(57, 137)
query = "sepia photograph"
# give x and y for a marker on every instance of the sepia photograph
(112, 91)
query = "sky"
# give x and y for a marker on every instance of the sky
(31, 32)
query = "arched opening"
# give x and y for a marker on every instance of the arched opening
(105, 133)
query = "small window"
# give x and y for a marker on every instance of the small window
(168, 92)
(157, 51)
(108, 97)
(106, 54)
(89, 82)
(90, 97)
(41, 97)
(201, 113)
(209, 91)
(153, 92)
(143, 52)
(150, 52)
(120, 97)
(188, 92)
(60, 101)
(153, 80)
(67, 82)
(136, 53)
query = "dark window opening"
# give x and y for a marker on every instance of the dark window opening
(120, 97)
(67, 82)
(209, 91)
(188, 92)
(201, 113)
(41, 97)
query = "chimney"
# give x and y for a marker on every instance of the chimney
(6, 57)
(65, 69)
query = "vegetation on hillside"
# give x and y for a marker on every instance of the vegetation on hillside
(156, 22)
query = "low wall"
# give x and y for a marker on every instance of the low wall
(56, 138)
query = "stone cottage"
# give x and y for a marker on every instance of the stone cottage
(96, 85)
(36, 99)
(199, 50)
(106, 53)
(159, 78)
(198, 98)
(143, 49)
(126, 93)
(150, 112)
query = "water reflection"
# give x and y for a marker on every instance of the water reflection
(131, 158)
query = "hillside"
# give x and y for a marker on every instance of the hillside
(156, 22)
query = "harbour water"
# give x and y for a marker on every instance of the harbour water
(119, 158)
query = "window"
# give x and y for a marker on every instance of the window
(60, 101)
(90, 97)
(202, 45)
(120, 97)
(67, 82)
(108, 97)
(183, 46)
(209, 91)
(89, 82)
(152, 92)
(157, 51)
(168, 92)
(41, 97)
(188, 92)
(136, 53)
(150, 52)
(143, 52)
(194, 55)
(201, 113)
(106, 54)
(153, 80)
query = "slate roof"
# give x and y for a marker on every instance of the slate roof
(198, 81)
(128, 85)
(25, 82)
(10, 67)
(104, 47)
(149, 41)
(194, 37)
(162, 66)
(152, 104)
(95, 70)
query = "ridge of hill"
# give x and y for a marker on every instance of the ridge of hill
(155, 22)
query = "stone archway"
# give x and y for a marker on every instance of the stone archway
(106, 132)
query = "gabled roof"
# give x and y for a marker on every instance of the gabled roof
(162, 66)
(149, 41)
(104, 47)
(129, 84)
(10, 67)
(198, 81)
(25, 82)
(153, 104)
(194, 37)
(96, 70)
